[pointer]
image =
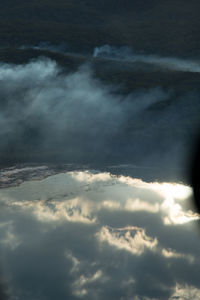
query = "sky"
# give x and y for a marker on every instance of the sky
(94, 235)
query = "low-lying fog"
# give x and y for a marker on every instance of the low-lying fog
(50, 115)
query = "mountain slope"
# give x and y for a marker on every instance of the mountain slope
(158, 26)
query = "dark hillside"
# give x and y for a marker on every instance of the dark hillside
(156, 26)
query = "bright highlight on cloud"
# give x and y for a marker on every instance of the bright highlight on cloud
(132, 239)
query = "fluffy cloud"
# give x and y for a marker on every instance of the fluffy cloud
(73, 235)
(132, 239)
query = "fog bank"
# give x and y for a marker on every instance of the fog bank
(46, 108)
(47, 115)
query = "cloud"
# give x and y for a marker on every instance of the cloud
(168, 253)
(132, 239)
(137, 205)
(71, 195)
(185, 292)
(71, 235)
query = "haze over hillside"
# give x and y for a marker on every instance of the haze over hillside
(153, 26)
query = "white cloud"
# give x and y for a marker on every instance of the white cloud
(84, 193)
(90, 177)
(185, 292)
(169, 253)
(73, 210)
(81, 285)
(132, 239)
(139, 205)
(105, 233)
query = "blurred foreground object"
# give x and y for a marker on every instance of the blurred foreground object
(195, 174)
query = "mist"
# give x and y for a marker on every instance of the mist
(48, 114)
(46, 108)
(127, 54)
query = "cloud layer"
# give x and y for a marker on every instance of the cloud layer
(89, 235)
